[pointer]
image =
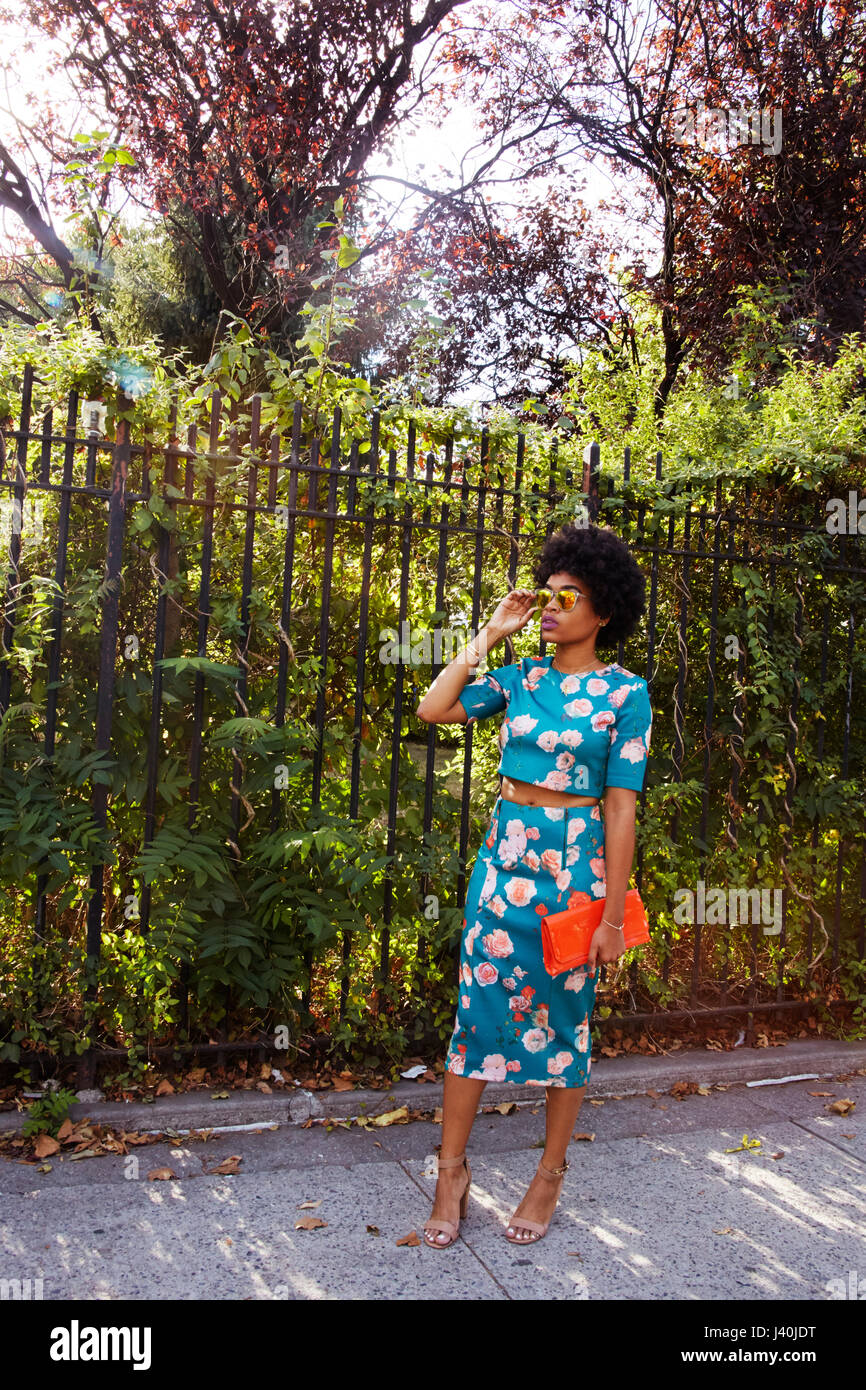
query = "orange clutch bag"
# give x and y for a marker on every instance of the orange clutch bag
(566, 936)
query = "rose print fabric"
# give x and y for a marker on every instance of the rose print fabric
(514, 1021)
(576, 734)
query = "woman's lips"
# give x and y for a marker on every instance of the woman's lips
(548, 622)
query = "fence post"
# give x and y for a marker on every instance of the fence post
(121, 455)
(591, 466)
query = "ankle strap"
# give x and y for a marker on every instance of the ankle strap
(553, 1172)
(451, 1162)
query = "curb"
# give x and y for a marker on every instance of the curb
(610, 1076)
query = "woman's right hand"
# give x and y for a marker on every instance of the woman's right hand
(514, 612)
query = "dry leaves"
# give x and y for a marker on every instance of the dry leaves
(583, 1136)
(160, 1175)
(45, 1145)
(400, 1116)
(842, 1107)
(411, 1239)
(309, 1223)
(228, 1165)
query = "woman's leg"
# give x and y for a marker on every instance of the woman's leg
(563, 1108)
(561, 1112)
(460, 1097)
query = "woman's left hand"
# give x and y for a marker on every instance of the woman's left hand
(607, 944)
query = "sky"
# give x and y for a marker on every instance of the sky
(428, 149)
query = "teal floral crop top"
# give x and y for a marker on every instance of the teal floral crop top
(576, 734)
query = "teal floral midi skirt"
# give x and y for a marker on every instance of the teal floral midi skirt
(514, 1021)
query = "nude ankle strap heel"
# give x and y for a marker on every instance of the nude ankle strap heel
(449, 1227)
(522, 1223)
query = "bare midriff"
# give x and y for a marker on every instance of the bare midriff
(527, 794)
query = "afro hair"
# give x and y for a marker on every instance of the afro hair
(598, 557)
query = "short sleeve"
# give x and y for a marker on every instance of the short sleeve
(487, 695)
(629, 750)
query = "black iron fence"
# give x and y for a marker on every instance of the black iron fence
(752, 648)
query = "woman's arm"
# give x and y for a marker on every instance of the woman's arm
(440, 705)
(619, 839)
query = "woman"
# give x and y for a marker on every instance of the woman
(574, 728)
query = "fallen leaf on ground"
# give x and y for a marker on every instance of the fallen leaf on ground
(44, 1168)
(264, 1088)
(160, 1175)
(165, 1088)
(746, 1144)
(654, 1094)
(781, 1153)
(820, 1093)
(437, 1115)
(505, 1107)
(304, 1206)
(342, 1084)
(219, 1095)
(596, 1102)
(703, 1090)
(374, 1230)
(65, 1129)
(86, 1153)
(724, 1230)
(583, 1136)
(842, 1107)
(309, 1223)
(228, 1165)
(45, 1145)
(392, 1117)
(411, 1239)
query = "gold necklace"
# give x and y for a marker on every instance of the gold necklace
(572, 673)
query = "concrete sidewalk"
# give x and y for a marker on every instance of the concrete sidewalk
(652, 1208)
